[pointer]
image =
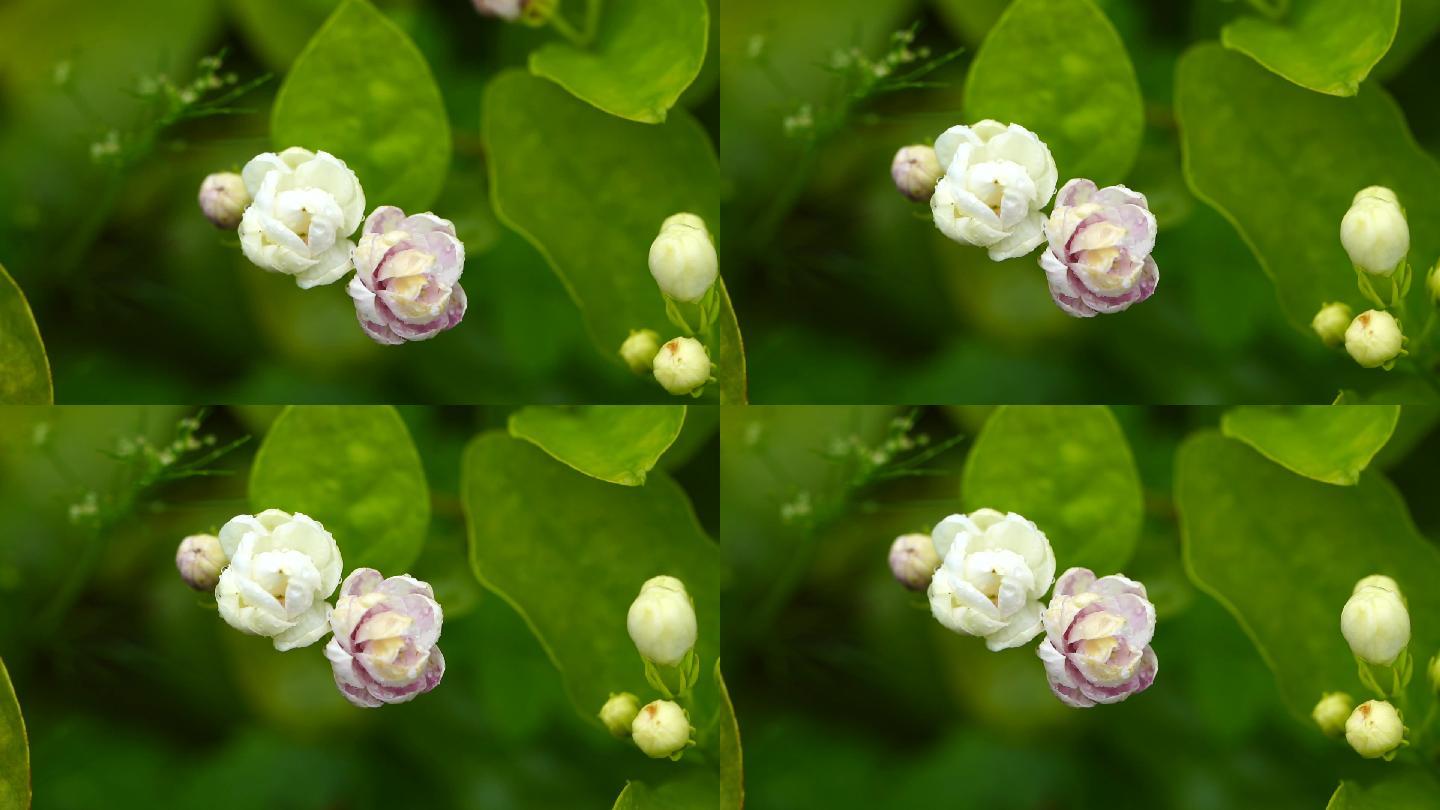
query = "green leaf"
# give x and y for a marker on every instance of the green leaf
(24, 368)
(615, 443)
(1326, 443)
(593, 205)
(1282, 553)
(646, 52)
(1328, 46)
(732, 770)
(1058, 68)
(1069, 470)
(354, 469)
(693, 791)
(362, 91)
(1266, 154)
(277, 30)
(14, 748)
(1409, 789)
(548, 539)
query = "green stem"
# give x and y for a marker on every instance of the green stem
(592, 19)
(579, 39)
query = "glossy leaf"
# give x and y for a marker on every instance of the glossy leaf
(732, 770)
(14, 748)
(362, 91)
(1409, 789)
(1265, 153)
(1069, 470)
(24, 368)
(593, 205)
(1328, 46)
(646, 52)
(615, 443)
(355, 469)
(1058, 68)
(693, 791)
(1323, 442)
(550, 540)
(1282, 553)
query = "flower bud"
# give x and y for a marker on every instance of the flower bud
(915, 171)
(661, 729)
(1331, 322)
(682, 366)
(1374, 729)
(223, 199)
(200, 559)
(1332, 711)
(913, 560)
(1377, 581)
(1374, 339)
(639, 350)
(1374, 231)
(528, 12)
(683, 259)
(662, 621)
(1376, 624)
(618, 713)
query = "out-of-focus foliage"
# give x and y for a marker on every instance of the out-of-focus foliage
(14, 747)
(849, 294)
(140, 299)
(850, 694)
(24, 370)
(136, 693)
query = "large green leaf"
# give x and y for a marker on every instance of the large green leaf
(24, 368)
(362, 91)
(1328, 443)
(615, 443)
(693, 791)
(14, 748)
(1058, 67)
(1409, 789)
(645, 53)
(355, 469)
(1282, 164)
(570, 552)
(1069, 470)
(732, 768)
(1325, 45)
(1282, 553)
(593, 203)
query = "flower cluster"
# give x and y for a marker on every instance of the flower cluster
(273, 574)
(1376, 236)
(661, 623)
(685, 267)
(986, 575)
(1375, 622)
(988, 184)
(296, 212)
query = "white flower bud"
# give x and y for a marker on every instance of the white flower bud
(1376, 624)
(683, 259)
(1374, 339)
(639, 350)
(1377, 581)
(1374, 231)
(915, 171)
(661, 729)
(200, 559)
(1374, 729)
(662, 621)
(913, 560)
(1331, 322)
(618, 713)
(682, 366)
(1332, 711)
(223, 199)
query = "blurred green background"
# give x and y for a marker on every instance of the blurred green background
(140, 299)
(850, 694)
(136, 694)
(849, 294)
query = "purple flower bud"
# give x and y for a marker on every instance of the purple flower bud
(1098, 261)
(384, 648)
(913, 560)
(407, 276)
(200, 559)
(504, 9)
(1097, 639)
(223, 199)
(916, 170)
